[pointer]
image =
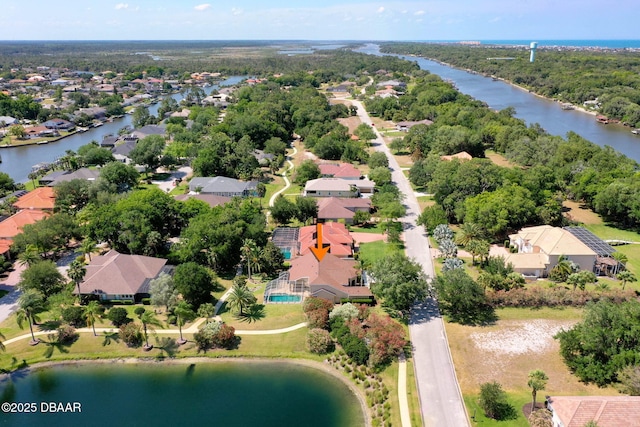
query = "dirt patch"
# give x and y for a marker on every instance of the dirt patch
(500, 160)
(514, 339)
(367, 237)
(351, 122)
(578, 212)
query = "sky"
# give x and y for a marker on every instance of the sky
(317, 20)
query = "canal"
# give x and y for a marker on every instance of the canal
(531, 108)
(18, 161)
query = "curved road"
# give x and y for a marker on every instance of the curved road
(440, 397)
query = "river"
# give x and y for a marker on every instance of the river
(529, 107)
(18, 161)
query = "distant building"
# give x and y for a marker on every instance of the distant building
(223, 186)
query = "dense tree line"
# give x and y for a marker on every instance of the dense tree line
(575, 76)
(179, 59)
(548, 169)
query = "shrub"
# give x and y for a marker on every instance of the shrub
(131, 334)
(74, 316)
(355, 348)
(346, 311)
(139, 311)
(314, 303)
(203, 340)
(319, 341)
(146, 301)
(67, 334)
(225, 337)
(493, 400)
(118, 316)
(318, 318)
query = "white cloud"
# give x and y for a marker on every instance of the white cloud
(236, 11)
(420, 12)
(203, 6)
(122, 6)
(380, 9)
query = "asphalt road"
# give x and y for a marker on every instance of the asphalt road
(440, 398)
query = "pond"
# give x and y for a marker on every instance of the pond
(223, 393)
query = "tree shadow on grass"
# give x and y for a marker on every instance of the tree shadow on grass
(54, 344)
(50, 325)
(254, 313)
(110, 337)
(168, 347)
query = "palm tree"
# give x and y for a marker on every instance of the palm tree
(477, 248)
(183, 314)
(30, 256)
(240, 298)
(537, 381)
(91, 311)
(626, 276)
(469, 231)
(149, 320)
(621, 258)
(30, 303)
(87, 246)
(1, 343)
(207, 310)
(249, 249)
(76, 272)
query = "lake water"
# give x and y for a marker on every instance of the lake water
(229, 394)
(18, 161)
(529, 107)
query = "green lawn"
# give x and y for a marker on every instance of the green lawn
(374, 251)
(477, 417)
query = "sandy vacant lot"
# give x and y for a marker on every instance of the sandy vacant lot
(507, 351)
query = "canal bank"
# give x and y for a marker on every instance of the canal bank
(531, 108)
(18, 161)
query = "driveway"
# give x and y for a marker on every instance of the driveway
(9, 303)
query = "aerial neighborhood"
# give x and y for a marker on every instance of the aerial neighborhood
(349, 210)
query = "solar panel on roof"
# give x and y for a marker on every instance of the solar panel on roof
(592, 241)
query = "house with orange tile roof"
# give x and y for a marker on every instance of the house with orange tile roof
(332, 278)
(340, 242)
(12, 226)
(339, 170)
(42, 198)
(605, 411)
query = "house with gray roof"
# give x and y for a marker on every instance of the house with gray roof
(149, 130)
(121, 151)
(223, 186)
(56, 177)
(116, 276)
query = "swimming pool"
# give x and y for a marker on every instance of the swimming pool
(284, 298)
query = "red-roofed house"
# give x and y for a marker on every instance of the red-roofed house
(336, 208)
(42, 198)
(116, 276)
(605, 411)
(334, 233)
(339, 170)
(12, 226)
(332, 278)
